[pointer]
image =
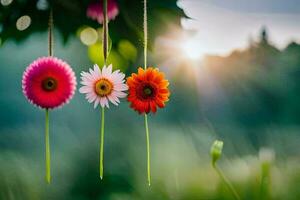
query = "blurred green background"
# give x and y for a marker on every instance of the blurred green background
(249, 99)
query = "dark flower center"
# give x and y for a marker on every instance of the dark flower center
(103, 87)
(49, 84)
(148, 91)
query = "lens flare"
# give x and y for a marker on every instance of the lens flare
(192, 49)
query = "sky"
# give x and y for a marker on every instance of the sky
(224, 25)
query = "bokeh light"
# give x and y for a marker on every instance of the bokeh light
(115, 57)
(6, 2)
(23, 23)
(88, 36)
(42, 5)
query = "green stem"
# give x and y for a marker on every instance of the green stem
(265, 180)
(263, 188)
(102, 142)
(227, 182)
(47, 145)
(148, 150)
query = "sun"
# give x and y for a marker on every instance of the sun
(192, 49)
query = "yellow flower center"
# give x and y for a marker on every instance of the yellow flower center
(103, 87)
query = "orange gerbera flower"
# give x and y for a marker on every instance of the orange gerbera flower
(147, 90)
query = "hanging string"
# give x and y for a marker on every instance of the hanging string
(47, 140)
(105, 52)
(145, 67)
(145, 34)
(105, 31)
(50, 34)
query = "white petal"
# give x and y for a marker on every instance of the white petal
(91, 71)
(109, 69)
(87, 83)
(92, 75)
(106, 103)
(116, 72)
(120, 87)
(90, 100)
(85, 89)
(97, 70)
(113, 96)
(96, 102)
(95, 76)
(102, 101)
(91, 97)
(86, 76)
(104, 73)
(119, 94)
(110, 97)
(118, 78)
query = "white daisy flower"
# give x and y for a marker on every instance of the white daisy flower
(102, 86)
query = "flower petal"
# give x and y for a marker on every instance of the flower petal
(119, 94)
(97, 101)
(110, 97)
(85, 89)
(152, 78)
(97, 70)
(120, 87)
(102, 101)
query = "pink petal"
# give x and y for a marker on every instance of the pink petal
(85, 89)
(114, 97)
(106, 102)
(102, 101)
(96, 102)
(112, 100)
(87, 83)
(97, 70)
(104, 73)
(109, 69)
(120, 87)
(119, 94)
(86, 76)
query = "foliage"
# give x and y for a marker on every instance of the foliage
(70, 15)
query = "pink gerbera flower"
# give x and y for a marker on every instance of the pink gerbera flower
(95, 10)
(49, 82)
(102, 86)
